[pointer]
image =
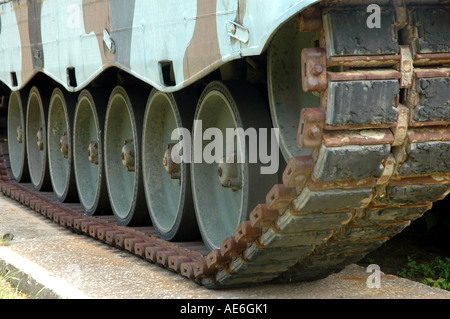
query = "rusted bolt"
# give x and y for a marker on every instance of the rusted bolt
(127, 155)
(172, 168)
(317, 69)
(229, 173)
(40, 139)
(64, 145)
(93, 152)
(314, 132)
(19, 134)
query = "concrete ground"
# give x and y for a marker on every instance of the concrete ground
(53, 262)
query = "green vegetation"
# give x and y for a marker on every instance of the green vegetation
(7, 291)
(5, 239)
(435, 274)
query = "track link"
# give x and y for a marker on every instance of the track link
(380, 157)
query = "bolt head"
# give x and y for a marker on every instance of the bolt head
(317, 69)
(314, 132)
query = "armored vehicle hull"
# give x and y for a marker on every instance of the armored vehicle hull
(232, 141)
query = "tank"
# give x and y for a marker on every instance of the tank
(235, 142)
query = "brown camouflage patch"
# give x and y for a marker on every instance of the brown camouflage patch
(21, 10)
(97, 17)
(203, 50)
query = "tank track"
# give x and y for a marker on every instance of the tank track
(330, 210)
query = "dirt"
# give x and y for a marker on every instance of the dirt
(419, 241)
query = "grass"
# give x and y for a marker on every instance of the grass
(7, 290)
(435, 274)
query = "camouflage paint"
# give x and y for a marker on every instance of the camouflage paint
(203, 50)
(66, 44)
(10, 45)
(96, 18)
(51, 36)
(122, 13)
(34, 30)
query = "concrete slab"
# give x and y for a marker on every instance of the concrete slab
(53, 262)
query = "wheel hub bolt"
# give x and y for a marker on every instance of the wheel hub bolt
(93, 152)
(128, 155)
(172, 167)
(19, 134)
(40, 139)
(64, 145)
(314, 132)
(317, 69)
(229, 173)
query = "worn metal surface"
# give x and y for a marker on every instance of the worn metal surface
(93, 270)
(141, 32)
(347, 166)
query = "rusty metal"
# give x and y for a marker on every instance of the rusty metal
(431, 179)
(401, 128)
(262, 216)
(201, 269)
(40, 139)
(140, 248)
(151, 251)
(432, 73)
(364, 61)
(86, 225)
(232, 264)
(364, 75)
(418, 135)
(314, 70)
(310, 20)
(162, 256)
(215, 259)
(427, 59)
(297, 171)
(229, 173)
(406, 67)
(310, 129)
(171, 167)
(388, 171)
(127, 155)
(64, 145)
(92, 152)
(111, 236)
(359, 137)
(279, 197)
(231, 247)
(19, 134)
(401, 14)
(246, 232)
(175, 262)
(187, 270)
(316, 185)
(120, 238)
(130, 243)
